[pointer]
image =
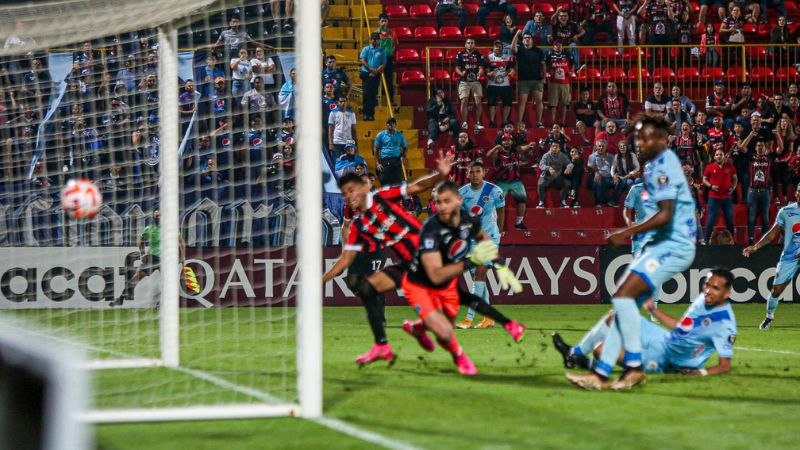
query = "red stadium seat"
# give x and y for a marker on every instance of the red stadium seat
(522, 9)
(695, 7)
(660, 73)
(545, 8)
(765, 28)
(787, 72)
(749, 28)
(494, 31)
(435, 55)
(607, 53)
(420, 11)
(412, 77)
(474, 31)
(450, 32)
(734, 73)
(633, 74)
(425, 33)
(471, 9)
(403, 32)
(406, 55)
(757, 52)
(395, 11)
(614, 74)
(791, 8)
(759, 72)
(440, 75)
(688, 73)
(713, 73)
(451, 54)
(586, 54)
(589, 73)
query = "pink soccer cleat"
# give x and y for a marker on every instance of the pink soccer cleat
(465, 365)
(377, 352)
(516, 330)
(417, 330)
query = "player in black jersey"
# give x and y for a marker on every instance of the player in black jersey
(445, 251)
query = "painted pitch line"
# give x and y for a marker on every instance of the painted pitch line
(780, 352)
(364, 435)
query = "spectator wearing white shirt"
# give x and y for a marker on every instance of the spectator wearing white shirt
(264, 68)
(241, 71)
(341, 127)
(657, 103)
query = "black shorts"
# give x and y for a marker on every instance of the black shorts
(503, 93)
(367, 263)
(396, 272)
(150, 264)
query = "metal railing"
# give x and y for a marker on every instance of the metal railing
(693, 68)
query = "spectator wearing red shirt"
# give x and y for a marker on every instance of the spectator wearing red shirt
(717, 104)
(612, 135)
(507, 175)
(561, 67)
(758, 194)
(720, 179)
(613, 106)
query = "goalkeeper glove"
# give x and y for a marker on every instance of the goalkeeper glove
(483, 252)
(507, 279)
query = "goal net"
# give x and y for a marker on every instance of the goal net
(185, 289)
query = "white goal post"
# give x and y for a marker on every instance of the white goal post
(228, 397)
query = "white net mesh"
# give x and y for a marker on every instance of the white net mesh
(80, 99)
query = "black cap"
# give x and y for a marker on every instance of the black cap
(391, 120)
(375, 36)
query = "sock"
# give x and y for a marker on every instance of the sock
(629, 324)
(519, 219)
(481, 307)
(590, 340)
(478, 290)
(375, 308)
(611, 348)
(451, 346)
(772, 305)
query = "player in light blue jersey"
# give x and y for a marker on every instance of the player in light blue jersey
(668, 247)
(486, 201)
(707, 326)
(634, 213)
(788, 223)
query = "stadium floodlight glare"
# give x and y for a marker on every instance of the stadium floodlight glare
(154, 102)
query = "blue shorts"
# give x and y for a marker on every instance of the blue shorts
(785, 271)
(654, 347)
(658, 263)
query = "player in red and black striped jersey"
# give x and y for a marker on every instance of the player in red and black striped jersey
(431, 284)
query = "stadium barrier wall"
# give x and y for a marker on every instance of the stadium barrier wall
(90, 277)
(753, 280)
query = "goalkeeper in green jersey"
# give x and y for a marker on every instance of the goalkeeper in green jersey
(150, 251)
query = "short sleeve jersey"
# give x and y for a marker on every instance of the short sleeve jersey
(559, 67)
(453, 243)
(700, 332)
(789, 219)
(500, 65)
(483, 203)
(507, 166)
(470, 62)
(152, 235)
(664, 180)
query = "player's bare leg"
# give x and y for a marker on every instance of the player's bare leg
(441, 326)
(368, 290)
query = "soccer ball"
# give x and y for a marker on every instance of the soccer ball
(81, 199)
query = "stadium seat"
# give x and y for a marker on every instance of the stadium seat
(688, 73)
(450, 32)
(791, 8)
(587, 54)
(451, 54)
(473, 31)
(394, 11)
(406, 55)
(764, 29)
(494, 32)
(713, 73)
(471, 8)
(522, 9)
(786, 72)
(589, 73)
(420, 11)
(412, 77)
(403, 32)
(607, 53)
(435, 55)
(695, 7)
(614, 74)
(633, 74)
(759, 52)
(425, 32)
(759, 72)
(440, 75)
(545, 8)
(749, 28)
(661, 73)
(734, 73)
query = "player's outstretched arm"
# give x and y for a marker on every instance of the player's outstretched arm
(345, 260)
(765, 240)
(668, 321)
(443, 166)
(659, 219)
(724, 366)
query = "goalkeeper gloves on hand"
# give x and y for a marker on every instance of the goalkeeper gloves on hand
(507, 279)
(484, 252)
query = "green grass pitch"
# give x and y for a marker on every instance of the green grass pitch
(520, 399)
